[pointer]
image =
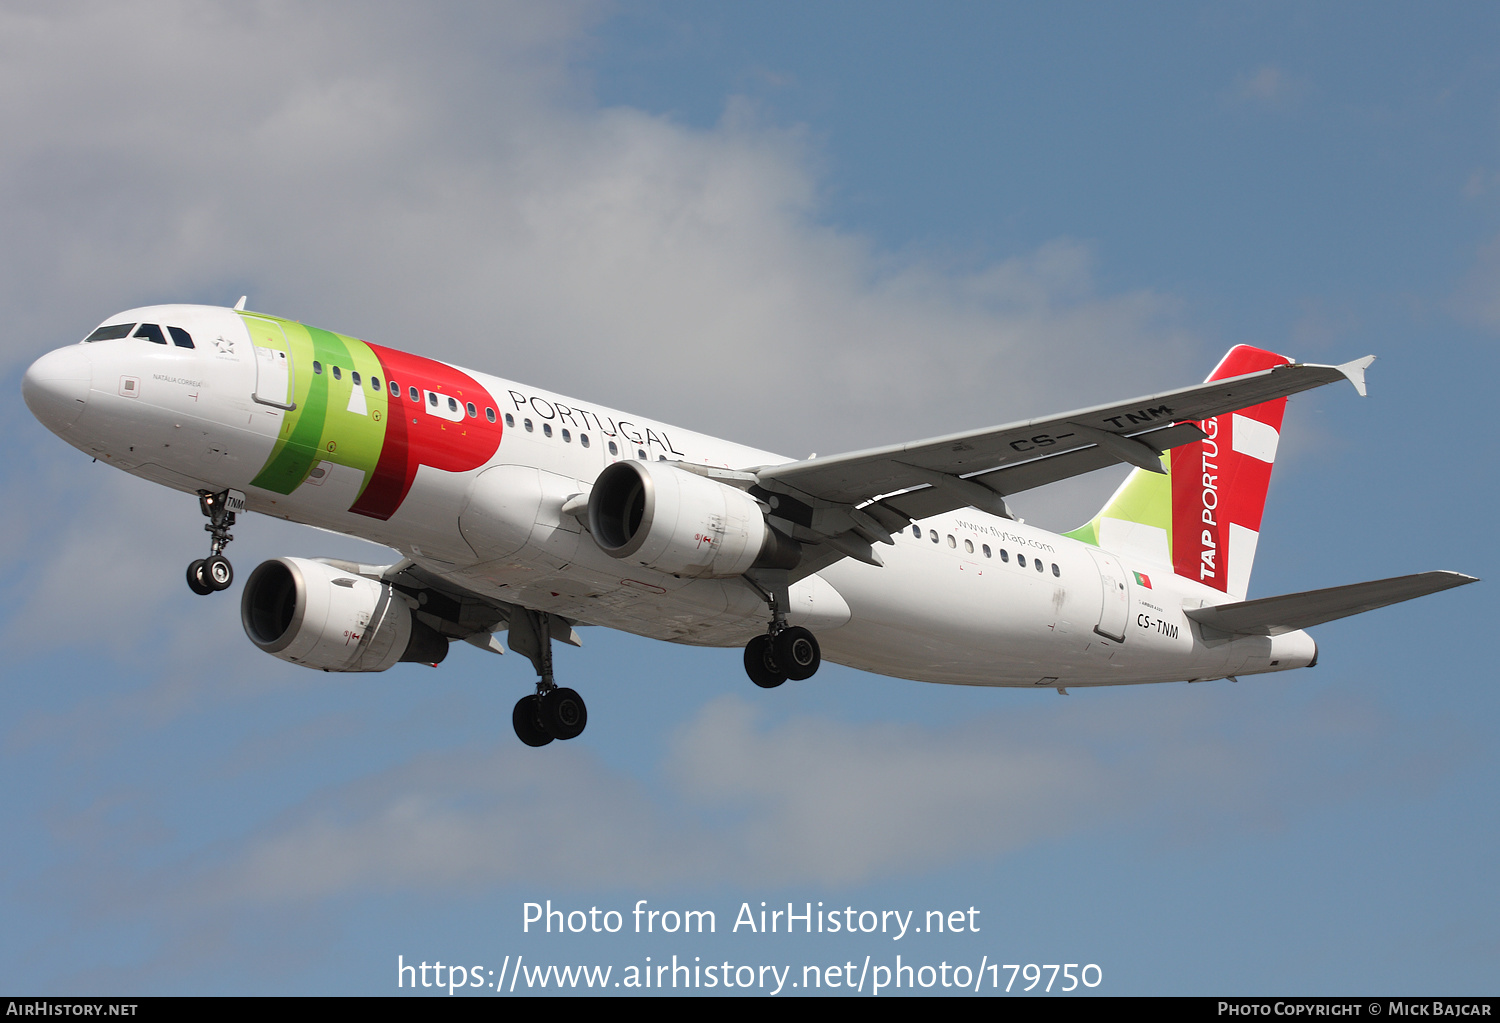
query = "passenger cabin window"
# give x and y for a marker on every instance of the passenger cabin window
(987, 550)
(510, 420)
(180, 337)
(583, 439)
(413, 394)
(1039, 566)
(395, 389)
(489, 413)
(432, 398)
(452, 404)
(641, 455)
(952, 542)
(354, 377)
(613, 449)
(112, 332)
(375, 384)
(1056, 571)
(528, 426)
(567, 437)
(546, 429)
(150, 332)
(473, 412)
(916, 531)
(1021, 560)
(1004, 554)
(338, 374)
(317, 366)
(969, 546)
(932, 535)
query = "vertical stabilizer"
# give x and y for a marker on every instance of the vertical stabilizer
(1203, 517)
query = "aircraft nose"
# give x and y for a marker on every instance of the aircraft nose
(56, 387)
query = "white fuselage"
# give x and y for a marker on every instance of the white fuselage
(963, 597)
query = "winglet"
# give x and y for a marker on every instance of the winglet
(240, 305)
(1355, 371)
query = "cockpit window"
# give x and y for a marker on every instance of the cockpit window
(112, 332)
(150, 332)
(180, 337)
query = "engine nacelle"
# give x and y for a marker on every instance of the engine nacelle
(318, 616)
(665, 518)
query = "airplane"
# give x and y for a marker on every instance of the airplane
(521, 511)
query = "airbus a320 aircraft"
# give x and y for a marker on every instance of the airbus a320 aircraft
(527, 512)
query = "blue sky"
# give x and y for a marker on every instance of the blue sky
(812, 228)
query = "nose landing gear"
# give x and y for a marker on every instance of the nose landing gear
(214, 572)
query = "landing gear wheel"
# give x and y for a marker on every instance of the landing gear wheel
(564, 714)
(761, 665)
(796, 653)
(196, 580)
(217, 572)
(214, 572)
(528, 723)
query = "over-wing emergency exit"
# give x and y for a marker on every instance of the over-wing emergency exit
(527, 513)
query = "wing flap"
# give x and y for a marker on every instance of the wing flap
(1273, 616)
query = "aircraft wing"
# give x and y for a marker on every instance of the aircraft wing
(850, 501)
(1272, 616)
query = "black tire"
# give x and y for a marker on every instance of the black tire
(196, 581)
(796, 652)
(760, 663)
(218, 573)
(526, 719)
(564, 714)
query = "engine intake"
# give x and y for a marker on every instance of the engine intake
(318, 616)
(671, 520)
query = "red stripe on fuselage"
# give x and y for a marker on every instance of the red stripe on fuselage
(414, 437)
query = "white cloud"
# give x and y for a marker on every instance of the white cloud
(805, 800)
(1477, 299)
(369, 170)
(1268, 86)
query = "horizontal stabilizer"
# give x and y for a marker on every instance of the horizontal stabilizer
(1272, 616)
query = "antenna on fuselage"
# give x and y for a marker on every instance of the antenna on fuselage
(240, 305)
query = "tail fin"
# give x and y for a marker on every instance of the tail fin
(1203, 517)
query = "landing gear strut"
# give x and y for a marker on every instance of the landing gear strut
(214, 572)
(553, 711)
(784, 652)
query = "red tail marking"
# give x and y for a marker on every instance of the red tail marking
(1214, 485)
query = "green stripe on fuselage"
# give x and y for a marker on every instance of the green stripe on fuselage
(323, 427)
(1144, 497)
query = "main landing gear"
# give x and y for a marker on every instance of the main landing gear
(553, 712)
(214, 572)
(784, 652)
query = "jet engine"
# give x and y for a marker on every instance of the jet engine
(319, 616)
(671, 520)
